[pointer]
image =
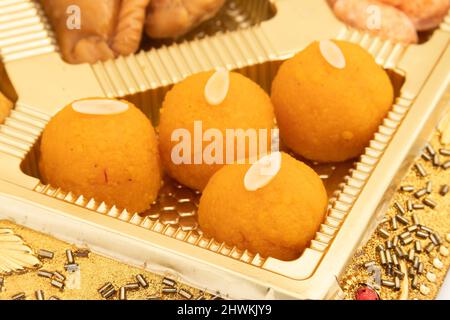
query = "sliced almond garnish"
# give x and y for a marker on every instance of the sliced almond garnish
(262, 171)
(444, 128)
(15, 255)
(332, 53)
(216, 89)
(100, 106)
(404, 287)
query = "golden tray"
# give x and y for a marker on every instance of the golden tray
(264, 34)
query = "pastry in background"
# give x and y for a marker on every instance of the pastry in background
(425, 14)
(174, 18)
(377, 18)
(104, 149)
(108, 28)
(210, 102)
(273, 207)
(5, 107)
(331, 2)
(330, 99)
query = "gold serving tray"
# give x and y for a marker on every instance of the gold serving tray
(265, 34)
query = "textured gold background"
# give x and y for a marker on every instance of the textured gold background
(95, 271)
(437, 219)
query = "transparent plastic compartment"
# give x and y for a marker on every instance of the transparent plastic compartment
(356, 195)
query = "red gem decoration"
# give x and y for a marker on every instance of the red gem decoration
(366, 293)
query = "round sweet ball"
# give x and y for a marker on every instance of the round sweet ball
(104, 149)
(330, 99)
(200, 121)
(272, 208)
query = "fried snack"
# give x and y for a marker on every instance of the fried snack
(278, 220)
(104, 149)
(174, 18)
(331, 3)
(246, 106)
(108, 28)
(5, 107)
(330, 113)
(379, 19)
(425, 14)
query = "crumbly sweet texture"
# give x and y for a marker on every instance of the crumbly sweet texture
(246, 106)
(112, 158)
(5, 107)
(278, 220)
(328, 114)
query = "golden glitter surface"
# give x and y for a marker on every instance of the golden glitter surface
(437, 219)
(95, 271)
